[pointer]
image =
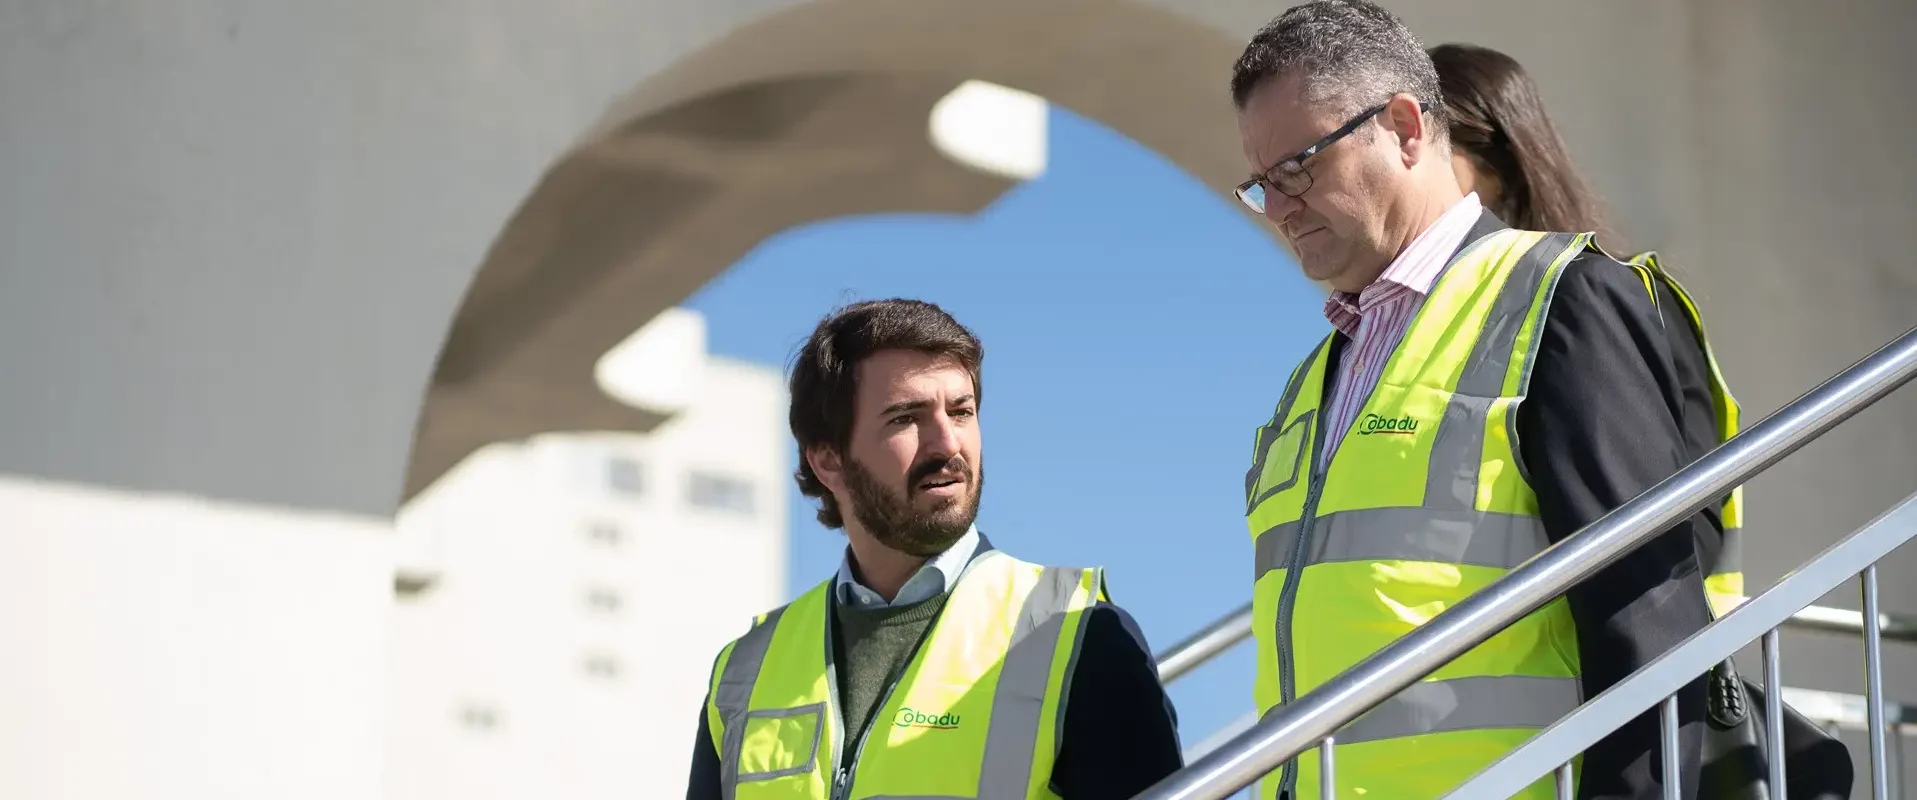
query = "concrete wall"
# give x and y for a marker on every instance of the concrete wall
(234, 237)
(173, 648)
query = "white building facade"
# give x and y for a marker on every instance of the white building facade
(562, 598)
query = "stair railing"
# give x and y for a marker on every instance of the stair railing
(1314, 719)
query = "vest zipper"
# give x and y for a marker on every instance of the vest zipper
(842, 781)
(1294, 566)
(842, 784)
(1294, 574)
(835, 708)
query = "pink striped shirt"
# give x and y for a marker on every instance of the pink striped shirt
(1376, 318)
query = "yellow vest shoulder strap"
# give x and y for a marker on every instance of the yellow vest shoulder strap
(1724, 580)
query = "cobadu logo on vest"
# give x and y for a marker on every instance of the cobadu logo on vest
(909, 718)
(1396, 426)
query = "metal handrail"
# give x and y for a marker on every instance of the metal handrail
(1837, 708)
(1208, 643)
(1656, 683)
(1312, 718)
(1230, 630)
(1833, 710)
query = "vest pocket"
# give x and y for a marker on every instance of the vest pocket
(1281, 456)
(776, 743)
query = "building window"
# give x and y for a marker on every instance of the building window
(721, 493)
(602, 666)
(624, 476)
(478, 717)
(605, 533)
(604, 600)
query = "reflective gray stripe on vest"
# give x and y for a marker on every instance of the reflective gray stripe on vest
(1457, 452)
(1465, 704)
(1448, 528)
(1730, 553)
(1018, 707)
(1451, 478)
(1476, 538)
(733, 697)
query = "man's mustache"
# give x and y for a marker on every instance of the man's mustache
(955, 464)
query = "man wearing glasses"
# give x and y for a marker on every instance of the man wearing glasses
(1483, 393)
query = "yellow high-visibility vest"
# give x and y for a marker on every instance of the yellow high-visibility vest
(975, 713)
(1424, 502)
(1724, 576)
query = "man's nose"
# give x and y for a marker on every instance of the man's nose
(941, 437)
(1279, 207)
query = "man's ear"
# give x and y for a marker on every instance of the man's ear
(827, 464)
(1411, 127)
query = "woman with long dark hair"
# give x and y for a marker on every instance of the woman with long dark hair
(1505, 148)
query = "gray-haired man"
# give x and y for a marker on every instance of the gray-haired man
(1484, 393)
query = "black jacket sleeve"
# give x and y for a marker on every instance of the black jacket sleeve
(703, 784)
(1121, 732)
(1604, 420)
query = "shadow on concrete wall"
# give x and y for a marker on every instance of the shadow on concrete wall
(813, 113)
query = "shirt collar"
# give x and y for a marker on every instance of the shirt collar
(1416, 268)
(931, 580)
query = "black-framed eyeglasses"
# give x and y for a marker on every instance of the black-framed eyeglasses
(1290, 176)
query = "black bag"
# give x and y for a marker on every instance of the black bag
(1735, 760)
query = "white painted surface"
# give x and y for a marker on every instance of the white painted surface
(510, 626)
(161, 647)
(164, 646)
(660, 367)
(992, 128)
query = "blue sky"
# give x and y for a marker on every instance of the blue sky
(1137, 326)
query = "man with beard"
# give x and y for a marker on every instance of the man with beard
(932, 665)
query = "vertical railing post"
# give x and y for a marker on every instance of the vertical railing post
(1667, 730)
(1874, 687)
(1327, 769)
(1774, 710)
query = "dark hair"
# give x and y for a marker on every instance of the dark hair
(825, 374)
(1498, 120)
(1350, 54)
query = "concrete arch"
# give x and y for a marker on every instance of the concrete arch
(812, 113)
(214, 286)
(234, 239)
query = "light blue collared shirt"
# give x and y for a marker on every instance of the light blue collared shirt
(932, 579)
